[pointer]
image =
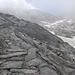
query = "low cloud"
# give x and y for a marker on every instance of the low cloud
(54, 6)
(51, 6)
(15, 4)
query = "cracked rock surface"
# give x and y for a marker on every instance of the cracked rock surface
(28, 49)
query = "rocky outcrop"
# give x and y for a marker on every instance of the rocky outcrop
(28, 49)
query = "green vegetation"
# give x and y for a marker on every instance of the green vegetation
(2, 59)
(2, 44)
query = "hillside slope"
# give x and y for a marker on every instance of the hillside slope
(29, 49)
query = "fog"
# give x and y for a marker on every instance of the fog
(54, 6)
(14, 4)
(50, 6)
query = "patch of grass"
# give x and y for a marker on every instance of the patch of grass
(1, 59)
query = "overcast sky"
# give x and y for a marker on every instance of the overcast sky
(15, 4)
(51, 6)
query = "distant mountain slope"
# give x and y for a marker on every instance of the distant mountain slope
(63, 27)
(33, 15)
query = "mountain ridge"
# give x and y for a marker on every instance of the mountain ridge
(31, 49)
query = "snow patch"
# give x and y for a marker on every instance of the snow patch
(59, 21)
(53, 32)
(47, 26)
(44, 22)
(70, 21)
(71, 41)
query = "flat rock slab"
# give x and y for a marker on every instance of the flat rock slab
(34, 62)
(23, 70)
(13, 54)
(11, 65)
(17, 73)
(3, 72)
(15, 50)
(19, 58)
(31, 54)
(72, 73)
(47, 71)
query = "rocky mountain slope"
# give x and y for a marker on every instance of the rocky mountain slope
(60, 25)
(28, 49)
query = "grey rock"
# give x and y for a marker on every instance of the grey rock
(24, 70)
(18, 58)
(31, 54)
(34, 62)
(13, 54)
(3, 72)
(27, 47)
(11, 64)
(47, 71)
(15, 50)
(72, 73)
(17, 73)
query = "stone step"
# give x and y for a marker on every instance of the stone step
(19, 72)
(23, 70)
(13, 54)
(11, 64)
(15, 50)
